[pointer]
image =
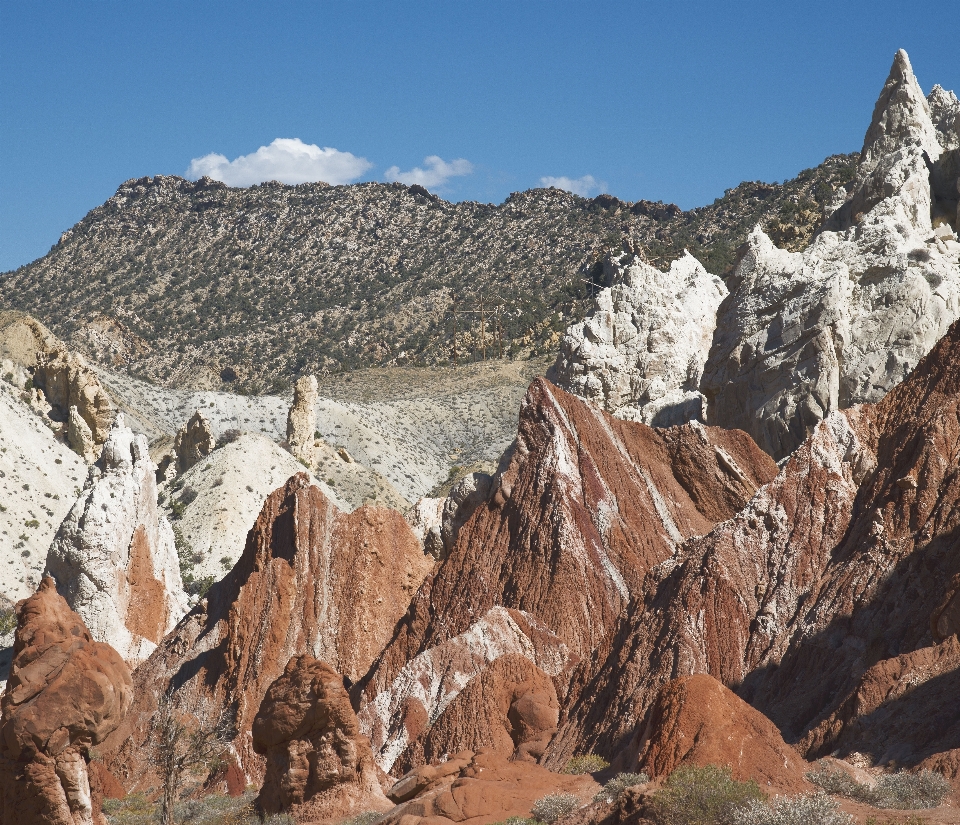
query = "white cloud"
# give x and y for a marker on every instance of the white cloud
(288, 160)
(584, 186)
(437, 172)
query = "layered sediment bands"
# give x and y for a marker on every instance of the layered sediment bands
(312, 580)
(585, 507)
(842, 562)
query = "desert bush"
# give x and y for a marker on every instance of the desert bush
(619, 783)
(588, 763)
(228, 437)
(705, 795)
(791, 810)
(553, 806)
(902, 790)
(913, 819)
(8, 620)
(366, 818)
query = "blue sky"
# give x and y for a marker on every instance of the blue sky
(670, 100)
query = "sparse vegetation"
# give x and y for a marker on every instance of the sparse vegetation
(805, 809)
(706, 795)
(8, 618)
(901, 790)
(552, 807)
(618, 784)
(588, 763)
(366, 818)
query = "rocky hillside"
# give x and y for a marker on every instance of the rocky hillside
(187, 283)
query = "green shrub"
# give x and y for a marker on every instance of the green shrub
(588, 763)
(805, 809)
(620, 782)
(552, 807)
(705, 795)
(8, 620)
(902, 790)
(366, 818)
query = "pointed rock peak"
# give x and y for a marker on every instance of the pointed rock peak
(901, 116)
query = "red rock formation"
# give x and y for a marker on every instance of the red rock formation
(696, 720)
(834, 567)
(319, 767)
(65, 694)
(510, 709)
(586, 507)
(476, 789)
(311, 580)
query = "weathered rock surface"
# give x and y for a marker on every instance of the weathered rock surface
(641, 354)
(65, 694)
(803, 334)
(511, 709)
(80, 437)
(311, 580)
(586, 506)
(193, 442)
(302, 418)
(816, 601)
(478, 788)
(429, 686)
(426, 519)
(114, 558)
(465, 497)
(697, 721)
(318, 766)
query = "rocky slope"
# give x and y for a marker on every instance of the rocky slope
(65, 695)
(187, 282)
(312, 579)
(800, 333)
(825, 598)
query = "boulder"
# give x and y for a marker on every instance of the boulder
(193, 442)
(312, 580)
(65, 694)
(114, 557)
(318, 766)
(641, 354)
(302, 419)
(695, 720)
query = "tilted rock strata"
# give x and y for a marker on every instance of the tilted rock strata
(65, 694)
(641, 354)
(114, 557)
(311, 580)
(697, 721)
(805, 600)
(302, 418)
(400, 714)
(586, 506)
(318, 766)
(803, 334)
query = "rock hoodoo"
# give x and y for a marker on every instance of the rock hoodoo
(318, 766)
(114, 557)
(641, 354)
(65, 694)
(194, 441)
(302, 418)
(311, 580)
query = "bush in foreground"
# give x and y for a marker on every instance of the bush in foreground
(554, 806)
(901, 790)
(705, 795)
(588, 763)
(805, 809)
(619, 783)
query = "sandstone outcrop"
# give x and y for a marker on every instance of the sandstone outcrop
(803, 334)
(477, 788)
(318, 766)
(815, 601)
(311, 580)
(114, 558)
(429, 686)
(194, 441)
(426, 519)
(65, 694)
(586, 506)
(697, 721)
(80, 438)
(302, 418)
(641, 354)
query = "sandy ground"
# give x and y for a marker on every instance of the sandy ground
(40, 479)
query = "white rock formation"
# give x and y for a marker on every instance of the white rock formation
(302, 419)
(426, 519)
(847, 319)
(641, 354)
(80, 438)
(114, 557)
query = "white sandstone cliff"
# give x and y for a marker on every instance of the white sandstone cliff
(114, 557)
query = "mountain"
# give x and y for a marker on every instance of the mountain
(195, 283)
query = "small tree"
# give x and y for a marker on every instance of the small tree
(183, 742)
